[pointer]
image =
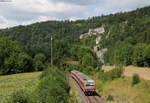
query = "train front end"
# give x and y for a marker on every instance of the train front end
(90, 86)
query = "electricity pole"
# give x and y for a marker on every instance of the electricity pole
(51, 51)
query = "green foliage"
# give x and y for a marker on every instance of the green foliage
(87, 60)
(138, 57)
(39, 60)
(19, 97)
(88, 41)
(112, 74)
(123, 33)
(12, 59)
(84, 55)
(123, 55)
(127, 54)
(110, 98)
(53, 87)
(147, 55)
(61, 51)
(7, 48)
(71, 67)
(135, 79)
(18, 63)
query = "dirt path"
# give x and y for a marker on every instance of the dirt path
(144, 73)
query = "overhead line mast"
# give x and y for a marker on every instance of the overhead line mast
(51, 51)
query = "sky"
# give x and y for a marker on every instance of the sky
(25, 12)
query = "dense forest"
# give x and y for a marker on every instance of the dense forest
(28, 48)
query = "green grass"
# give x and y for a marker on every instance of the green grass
(15, 82)
(122, 91)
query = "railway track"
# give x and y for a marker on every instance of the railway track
(94, 98)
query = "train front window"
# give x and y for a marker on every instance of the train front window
(90, 85)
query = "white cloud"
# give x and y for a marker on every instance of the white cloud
(41, 6)
(113, 6)
(6, 23)
(30, 11)
(75, 18)
(41, 18)
(79, 2)
(23, 12)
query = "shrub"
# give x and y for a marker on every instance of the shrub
(116, 73)
(112, 74)
(110, 97)
(19, 97)
(39, 62)
(53, 87)
(135, 79)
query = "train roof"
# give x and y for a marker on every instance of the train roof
(83, 76)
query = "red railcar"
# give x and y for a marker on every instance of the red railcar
(87, 84)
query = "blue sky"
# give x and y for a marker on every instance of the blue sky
(24, 12)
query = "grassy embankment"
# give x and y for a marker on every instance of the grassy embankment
(15, 82)
(144, 73)
(114, 91)
(121, 90)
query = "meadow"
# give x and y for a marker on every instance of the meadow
(143, 72)
(15, 82)
(121, 90)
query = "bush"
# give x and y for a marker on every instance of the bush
(39, 60)
(135, 79)
(112, 74)
(116, 73)
(53, 87)
(19, 97)
(110, 98)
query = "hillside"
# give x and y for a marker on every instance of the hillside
(116, 39)
(129, 27)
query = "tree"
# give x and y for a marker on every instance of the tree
(18, 63)
(39, 61)
(123, 55)
(138, 54)
(88, 60)
(7, 49)
(147, 55)
(12, 59)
